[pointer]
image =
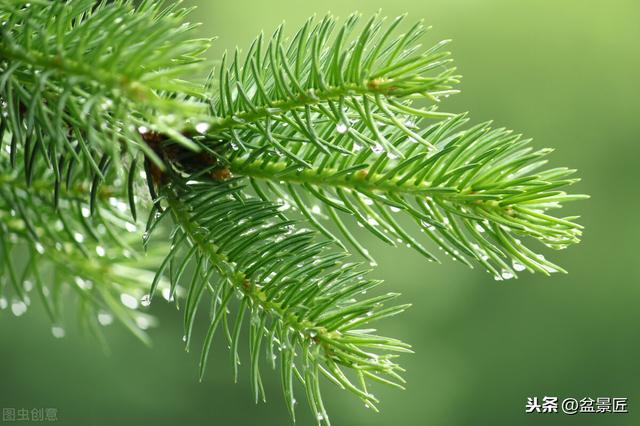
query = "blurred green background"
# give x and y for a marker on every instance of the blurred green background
(563, 72)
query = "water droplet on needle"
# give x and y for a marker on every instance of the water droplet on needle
(145, 300)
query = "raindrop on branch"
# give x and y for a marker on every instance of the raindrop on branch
(57, 331)
(18, 307)
(145, 300)
(143, 322)
(129, 301)
(518, 266)
(166, 294)
(105, 318)
(202, 127)
(507, 274)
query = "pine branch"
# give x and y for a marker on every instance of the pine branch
(339, 123)
(332, 117)
(474, 194)
(61, 250)
(305, 90)
(297, 293)
(85, 76)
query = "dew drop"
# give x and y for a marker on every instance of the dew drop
(18, 307)
(284, 205)
(83, 284)
(377, 149)
(85, 212)
(129, 301)
(479, 228)
(202, 127)
(427, 225)
(105, 318)
(145, 300)
(100, 251)
(78, 237)
(3, 303)
(410, 124)
(315, 209)
(130, 227)
(143, 322)
(57, 331)
(506, 274)
(106, 104)
(39, 248)
(341, 128)
(143, 129)
(518, 266)
(166, 294)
